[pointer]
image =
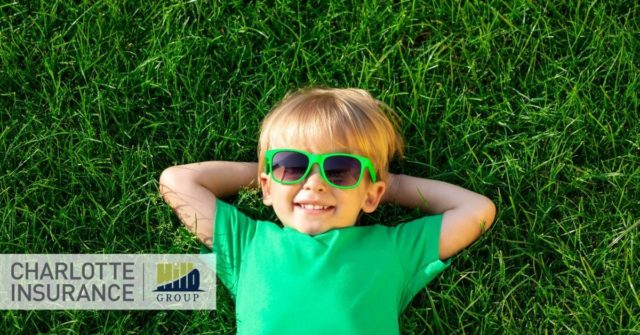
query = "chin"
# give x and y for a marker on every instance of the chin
(311, 229)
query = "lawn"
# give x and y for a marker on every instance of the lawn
(533, 104)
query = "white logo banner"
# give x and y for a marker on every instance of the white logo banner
(110, 281)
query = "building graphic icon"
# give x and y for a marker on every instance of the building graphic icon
(177, 277)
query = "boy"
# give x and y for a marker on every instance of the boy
(323, 161)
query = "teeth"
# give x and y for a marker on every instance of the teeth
(315, 207)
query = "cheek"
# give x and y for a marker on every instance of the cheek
(282, 196)
(352, 201)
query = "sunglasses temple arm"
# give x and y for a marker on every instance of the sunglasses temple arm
(372, 174)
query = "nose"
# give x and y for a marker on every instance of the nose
(314, 181)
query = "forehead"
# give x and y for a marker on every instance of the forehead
(314, 144)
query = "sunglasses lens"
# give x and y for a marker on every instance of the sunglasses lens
(289, 166)
(342, 170)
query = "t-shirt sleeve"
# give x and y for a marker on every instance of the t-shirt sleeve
(417, 243)
(233, 232)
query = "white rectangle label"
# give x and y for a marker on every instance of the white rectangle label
(107, 282)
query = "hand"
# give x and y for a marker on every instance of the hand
(392, 185)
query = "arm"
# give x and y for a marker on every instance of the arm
(191, 191)
(466, 214)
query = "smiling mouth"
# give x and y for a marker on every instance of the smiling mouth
(311, 207)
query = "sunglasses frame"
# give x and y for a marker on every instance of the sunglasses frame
(365, 164)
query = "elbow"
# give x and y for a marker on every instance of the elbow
(487, 214)
(167, 180)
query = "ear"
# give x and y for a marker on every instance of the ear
(265, 185)
(373, 196)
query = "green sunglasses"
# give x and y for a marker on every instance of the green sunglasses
(340, 170)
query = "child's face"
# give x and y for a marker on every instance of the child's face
(313, 206)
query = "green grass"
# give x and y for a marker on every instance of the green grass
(534, 104)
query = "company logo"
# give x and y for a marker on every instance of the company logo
(177, 282)
(107, 281)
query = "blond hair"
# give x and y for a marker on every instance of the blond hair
(348, 118)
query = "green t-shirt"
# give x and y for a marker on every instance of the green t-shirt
(354, 280)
